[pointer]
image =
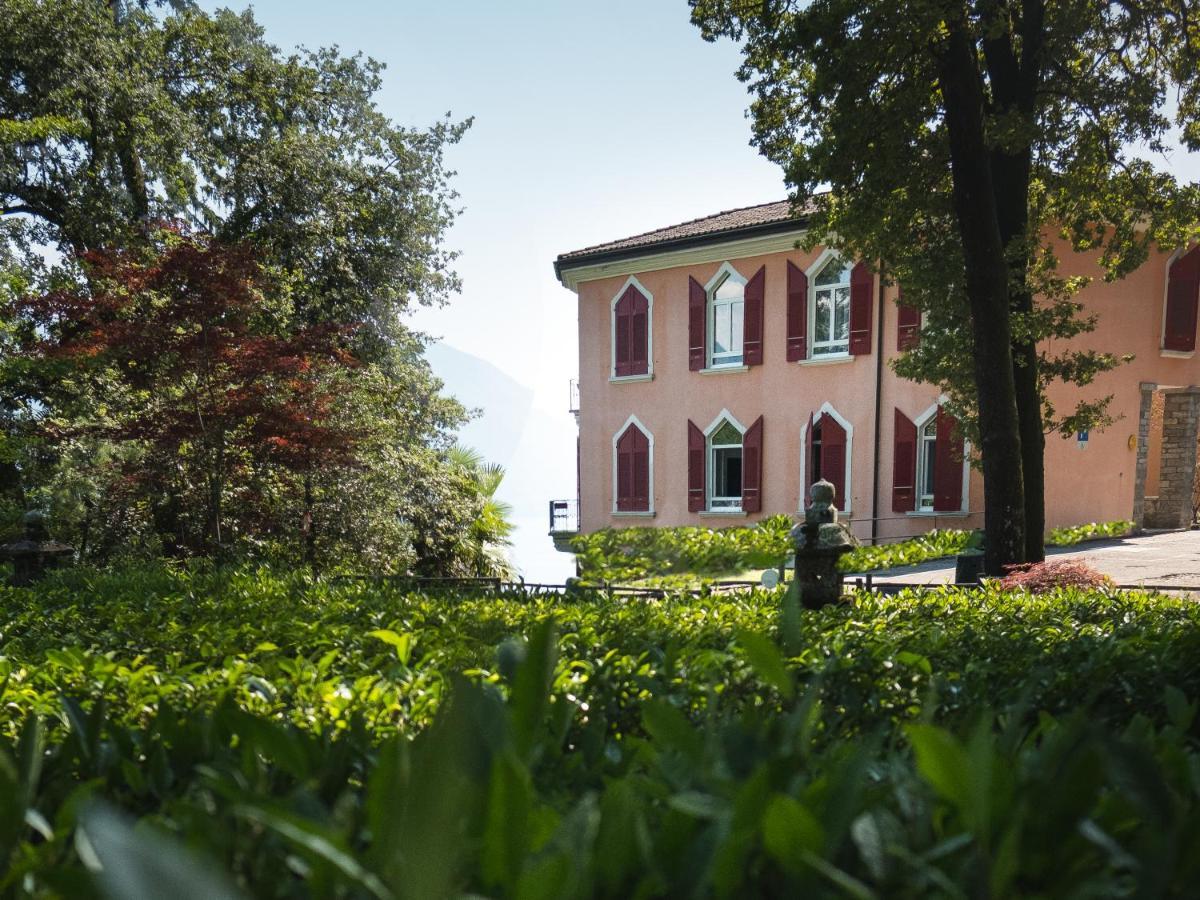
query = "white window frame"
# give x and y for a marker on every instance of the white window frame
(725, 273)
(828, 410)
(631, 281)
(921, 421)
(829, 349)
(644, 513)
(711, 469)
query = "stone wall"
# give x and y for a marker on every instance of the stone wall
(1177, 469)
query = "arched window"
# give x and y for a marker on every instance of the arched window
(633, 469)
(830, 309)
(927, 460)
(725, 467)
(930, 471)
(826, 442)
(632, 348)
(726, 320)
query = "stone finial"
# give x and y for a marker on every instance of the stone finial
(821, 509)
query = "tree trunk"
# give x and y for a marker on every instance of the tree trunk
(308, 526)
(987, 294)
(1014, 80)
(1011, 178)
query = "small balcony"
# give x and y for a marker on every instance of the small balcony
(573, 397)
(564, 523)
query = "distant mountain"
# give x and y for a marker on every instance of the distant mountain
(504, 404)
(537, 450)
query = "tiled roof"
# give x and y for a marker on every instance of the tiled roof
(732, 220)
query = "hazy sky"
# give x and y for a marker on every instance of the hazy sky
(593, 121)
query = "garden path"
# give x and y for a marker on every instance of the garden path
(1162, 558)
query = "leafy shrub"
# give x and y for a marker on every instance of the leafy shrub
(629, 554)
(635, 554)
(1065, 537)
(931, 545)
(1043, 577)
(317, 739)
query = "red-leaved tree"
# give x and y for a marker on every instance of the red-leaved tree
(187, 348)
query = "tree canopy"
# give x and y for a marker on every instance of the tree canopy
(280, 179)
(959, 140)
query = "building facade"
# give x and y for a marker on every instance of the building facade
(722, 370)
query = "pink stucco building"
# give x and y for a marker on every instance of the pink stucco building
(721, 370)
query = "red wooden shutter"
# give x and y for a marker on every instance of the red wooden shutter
(1183, 292)
(808, 462)
(752, 446)
(797, 315)
(697, 314)
(639, 325)
(633, 471)
(862, 284)
(621, 355)
(904, 465)
(641, 472)
(752, 323)
(947, 464)
(908, 331)
(833, 457)
(624, 486)
(696, 468)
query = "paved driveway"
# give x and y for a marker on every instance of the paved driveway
(1166, 558)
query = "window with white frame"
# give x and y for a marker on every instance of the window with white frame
(926, 461)
(726, 307)
(830, 327)
(725, 468)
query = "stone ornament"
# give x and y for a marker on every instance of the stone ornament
(820, 542)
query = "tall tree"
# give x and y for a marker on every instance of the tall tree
(182, 341)
(959, 139)
(118, 115)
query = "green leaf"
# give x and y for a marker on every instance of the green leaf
(916, 660)
(506, 824)
(698, 805)
(310, 838)
(1180, 711)
(140, 863)
(531, 687)
(943, 762)
(670, 727)
(402, 642)
(789, 829)
(766, 659)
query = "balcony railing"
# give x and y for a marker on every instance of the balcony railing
(573, 396)
(564, 516)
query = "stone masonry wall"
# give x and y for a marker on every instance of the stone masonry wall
(1177, 473)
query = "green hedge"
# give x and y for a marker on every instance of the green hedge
(635, 554)
(277, 738)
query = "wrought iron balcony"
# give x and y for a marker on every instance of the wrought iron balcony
(564, 517)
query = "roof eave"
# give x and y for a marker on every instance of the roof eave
(682, 243)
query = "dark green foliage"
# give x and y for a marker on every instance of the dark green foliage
(276, 738)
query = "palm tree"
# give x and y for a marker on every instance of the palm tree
(491, 533)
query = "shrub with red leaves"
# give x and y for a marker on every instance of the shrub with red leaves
(1043, 577)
